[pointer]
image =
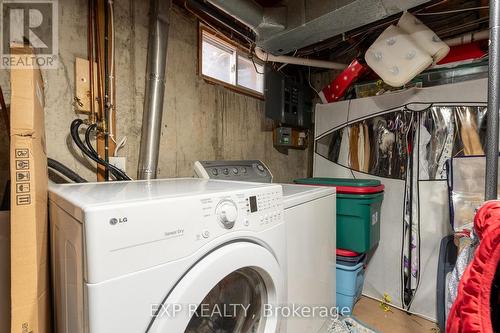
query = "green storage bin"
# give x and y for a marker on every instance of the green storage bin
(358, 221)
(338, 182)
(358, 211)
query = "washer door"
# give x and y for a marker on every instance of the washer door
(226, 291)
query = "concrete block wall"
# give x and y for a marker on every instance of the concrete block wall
(200, 120)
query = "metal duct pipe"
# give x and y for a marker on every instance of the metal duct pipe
(155, 88)
(493, 102)
(212, 12)
(264, 56)
(263, 21)
(248, 12)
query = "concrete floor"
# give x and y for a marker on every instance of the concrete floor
(370, 313)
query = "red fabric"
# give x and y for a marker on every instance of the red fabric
(471, 310)
(463, 52)
(338, 87)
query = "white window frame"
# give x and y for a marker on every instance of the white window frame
(215, 39)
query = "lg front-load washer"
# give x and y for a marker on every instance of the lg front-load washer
(310, 218)
(179, 255)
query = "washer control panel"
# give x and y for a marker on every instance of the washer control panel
(227, 213)
(244, 170)
(241, 211)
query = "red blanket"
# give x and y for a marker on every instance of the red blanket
(471, 311)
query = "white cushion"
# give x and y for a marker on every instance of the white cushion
(396, 58)
(423, 36)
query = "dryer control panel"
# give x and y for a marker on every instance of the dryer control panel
(241, 211)
(243, 170)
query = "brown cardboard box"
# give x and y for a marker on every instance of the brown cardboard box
(30, 310)
(4, 271)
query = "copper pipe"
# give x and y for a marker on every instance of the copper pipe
(111, 76)
(100, 85)
(91, 55)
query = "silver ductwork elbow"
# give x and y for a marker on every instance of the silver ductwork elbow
(155, 88)
(264, 21)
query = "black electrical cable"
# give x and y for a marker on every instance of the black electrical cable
(91, 148)
(87, 139)
(90, 151)
(65, 171)
(75, 125)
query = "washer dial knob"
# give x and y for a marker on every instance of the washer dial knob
(227, 213)
(259, 169)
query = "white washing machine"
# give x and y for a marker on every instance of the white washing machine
(310, 217)
(180, 255)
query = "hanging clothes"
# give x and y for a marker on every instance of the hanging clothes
(442, 140)
(366, 143)
(333, 145)
(361, 147)
(344, 147)
(384, 140)
(469, 131)
(425, 165)
(353, 147)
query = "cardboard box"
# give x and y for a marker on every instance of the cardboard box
(4, 271)
(30, 297)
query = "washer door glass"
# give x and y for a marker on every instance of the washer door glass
(225, 291)
(235, 304)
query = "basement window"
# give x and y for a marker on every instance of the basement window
(226, 63)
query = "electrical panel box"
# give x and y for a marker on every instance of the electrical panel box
(287, 101)
(287, 137)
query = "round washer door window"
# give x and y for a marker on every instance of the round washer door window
(235, 304)
(225, 291)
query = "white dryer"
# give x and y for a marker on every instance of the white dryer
(310, 217)
(170, 256)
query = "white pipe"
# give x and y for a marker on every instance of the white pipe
(264, 56)
(468, 38)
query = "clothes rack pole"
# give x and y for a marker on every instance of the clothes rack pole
(493, 103)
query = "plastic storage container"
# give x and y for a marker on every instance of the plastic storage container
(345, 185)
(358, 221)
(358, 211)
(349, 285)
(350, 258)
